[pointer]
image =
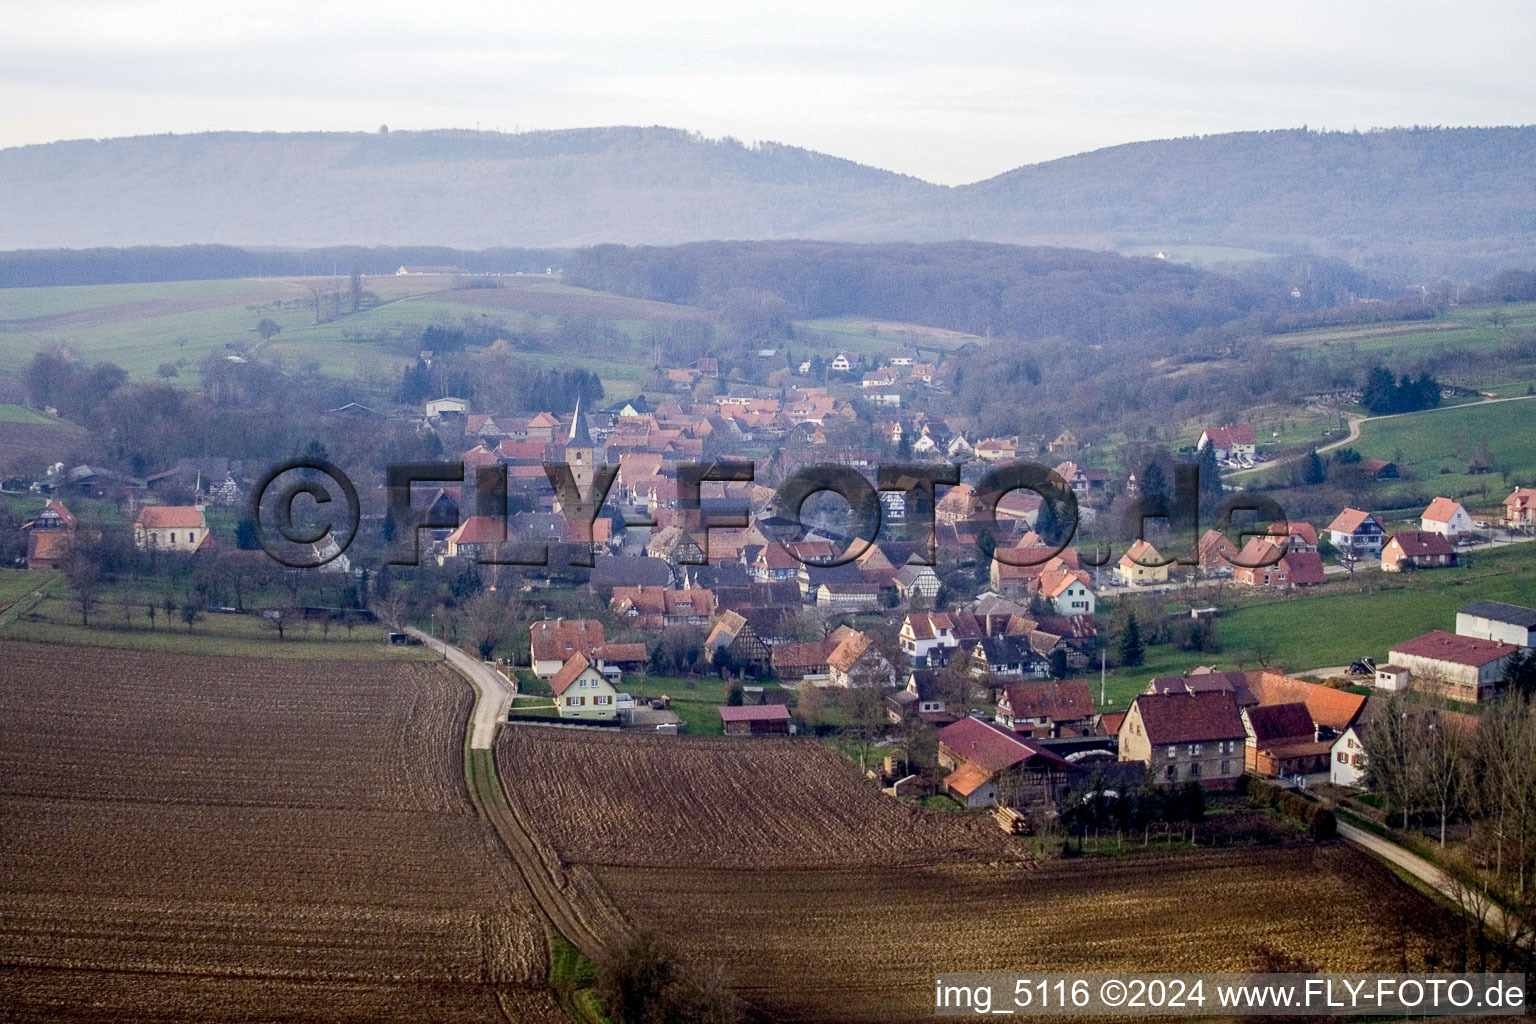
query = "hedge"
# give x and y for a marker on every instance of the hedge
(1319, 821)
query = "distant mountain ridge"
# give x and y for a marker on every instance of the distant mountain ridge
(1405, 202)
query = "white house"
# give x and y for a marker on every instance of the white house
(1447, 518)
(1357, 534)
(179, 528)
(1346, 764)
(841, 363)
(1495, 620)
(583, 690)
(1233, 441)
(1068, 591)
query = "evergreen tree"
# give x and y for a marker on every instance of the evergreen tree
(1210, 473)
(1132, 653)
(1316, 474)
(1154, 484)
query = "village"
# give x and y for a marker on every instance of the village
(956, 652)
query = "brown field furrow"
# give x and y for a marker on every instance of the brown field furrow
(713, 802)
(301, 831)
(728, 849)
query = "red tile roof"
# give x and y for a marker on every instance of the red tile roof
(180, 517)
(568, 674)
(1190, 717)
(1459, 650)
(1421, 544)
(1349, 520)
(1061, 701)
(1304, 568)
(1281, 723)
(1441, 510)
(993, 747)
(559, 639)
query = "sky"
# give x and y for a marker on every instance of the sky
(950, 92)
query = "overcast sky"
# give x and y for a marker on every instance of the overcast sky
(951, 92)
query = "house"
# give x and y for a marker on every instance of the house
(1520, 509)
(554, 642)
(756, 720)
(1297, 537)
(1378, 469)
(50, 537)
(991, 766)
(1138, 566)
(1067, 590)
(841, 363)
(855, 662)
(1206, 680)
(1048, 710)
(1263, 563)
(927, 637)
(996, 449)
(734, 641)
(659, 607)
(1462, 668)
(170, 528)
(1216, 550)
(917, 581)
(799, 662)
(921, 697)
(1417, 549)
(583, 691)
(1349, 757)
(848, 597)
(1447, 518)
(1233, 441)
(1346, 763)
(1182, 737)
(1283, 740)
(1356, 534)
(1009, 657)
(1330, 710)
(1494, 620)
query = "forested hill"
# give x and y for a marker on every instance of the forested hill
(1406, 204)
(1418, 201)
(455, 188)
(977, 287)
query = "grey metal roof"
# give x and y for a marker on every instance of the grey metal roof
(1498, 611)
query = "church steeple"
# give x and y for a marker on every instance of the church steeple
(580, 436)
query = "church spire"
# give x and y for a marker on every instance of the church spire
(580, 436)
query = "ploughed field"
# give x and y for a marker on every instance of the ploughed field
(214, 838)
(824, 900)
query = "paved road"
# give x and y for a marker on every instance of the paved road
(537, 864)
(493, 694)
(1416, 866)
(1354, 430)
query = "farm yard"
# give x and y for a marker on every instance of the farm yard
(241, 839)
(824, 900)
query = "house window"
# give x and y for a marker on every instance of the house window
(1172, 773)
(1226, 767)
(1194, 750)
(570, 702)
(1194, 770)
(1173, 751)
(173, 538)
(1226, 746)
